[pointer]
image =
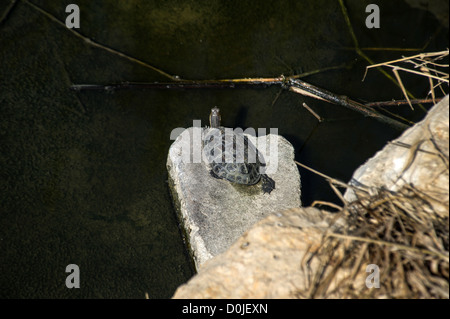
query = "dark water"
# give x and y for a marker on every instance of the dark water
(83, 177)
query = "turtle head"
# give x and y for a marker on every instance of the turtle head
(214, 117)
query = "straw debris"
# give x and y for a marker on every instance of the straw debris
(427, 65)
(400, 233)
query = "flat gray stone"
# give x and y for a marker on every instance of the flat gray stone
(214, 213)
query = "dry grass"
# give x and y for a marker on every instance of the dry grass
(400, 233)
(425, 64)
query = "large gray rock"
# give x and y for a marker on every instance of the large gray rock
(419, 157)
(213, 212)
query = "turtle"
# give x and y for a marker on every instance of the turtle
(232, 156)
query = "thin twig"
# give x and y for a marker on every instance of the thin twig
(418, 56)
(402, 102)
(317, 116)
(323, 203)
(101, 46)
(290, 83)
(305, 88)
(7, 11)
(395, 67)
(305, 74)
(421, 62)
(358, 49)
(402, 87)
(333, 180)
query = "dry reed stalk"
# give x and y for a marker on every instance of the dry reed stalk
(424, 64)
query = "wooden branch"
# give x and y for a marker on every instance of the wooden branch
(403, 102)
(292, 84)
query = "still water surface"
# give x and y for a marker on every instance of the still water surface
(83, 177)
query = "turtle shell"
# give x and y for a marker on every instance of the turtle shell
(231, 156)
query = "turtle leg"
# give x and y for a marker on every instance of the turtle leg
(268, 184)
(211, 172)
